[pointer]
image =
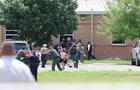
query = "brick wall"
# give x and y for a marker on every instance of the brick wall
(103, 47)
(84, 29)
(2, 35)
(103, 52)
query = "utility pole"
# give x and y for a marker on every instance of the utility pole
(91, 27)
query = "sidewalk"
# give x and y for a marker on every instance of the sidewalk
(96, 67)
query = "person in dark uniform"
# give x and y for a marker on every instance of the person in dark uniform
(56, 58)
(63, 43)
(33, 63)
(89, 51)
(72, 51)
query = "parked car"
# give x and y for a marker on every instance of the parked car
(135, 54)
(21, 44)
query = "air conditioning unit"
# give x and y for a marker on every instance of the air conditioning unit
(83, 17)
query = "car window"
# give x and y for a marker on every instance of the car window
(19, 46)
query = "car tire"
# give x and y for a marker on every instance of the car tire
(137, 62)
(132, 60)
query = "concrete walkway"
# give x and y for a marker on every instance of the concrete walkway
(96, 67)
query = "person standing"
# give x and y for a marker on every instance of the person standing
(44, 50)
(63, 43)
(38, 54)
(11, 69)
(89, 51)
(56, 58)
(72, 51)
(33, 64)
(69, 43)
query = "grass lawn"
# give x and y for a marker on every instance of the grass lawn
(88, 76)
(102, 61)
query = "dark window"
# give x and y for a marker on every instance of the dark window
(65, 36)
(9, 37)
(19, 46)
(11, 34)
(118, 42)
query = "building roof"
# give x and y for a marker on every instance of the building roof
(91, 6)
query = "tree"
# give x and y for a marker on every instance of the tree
(38, 20)
(122, 20)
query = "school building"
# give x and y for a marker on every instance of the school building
(90, 14)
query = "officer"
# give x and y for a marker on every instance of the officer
(72, 51)
(56, 58)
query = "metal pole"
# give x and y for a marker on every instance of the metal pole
(92, 29)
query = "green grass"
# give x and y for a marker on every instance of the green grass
(89, 76)
(102, 61)
(109, 61)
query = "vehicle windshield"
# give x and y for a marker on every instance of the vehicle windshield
(19, 46)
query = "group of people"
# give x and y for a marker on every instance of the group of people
(74, 51)
(32, 60)
(60, 54)
(66, 50)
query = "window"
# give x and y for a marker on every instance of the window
(66, 36)
(83, 17)
(19, 46)
(118, 42)
(11, 34)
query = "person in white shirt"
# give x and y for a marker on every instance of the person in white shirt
(38, 54)
(11, 69)
(44, 50)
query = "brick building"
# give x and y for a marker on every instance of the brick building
(90, 13)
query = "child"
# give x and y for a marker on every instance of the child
(63, 56)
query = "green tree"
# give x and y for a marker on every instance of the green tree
(38, 20)
(122, 20)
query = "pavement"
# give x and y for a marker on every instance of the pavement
(96, 67)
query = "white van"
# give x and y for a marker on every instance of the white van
(19, 45)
